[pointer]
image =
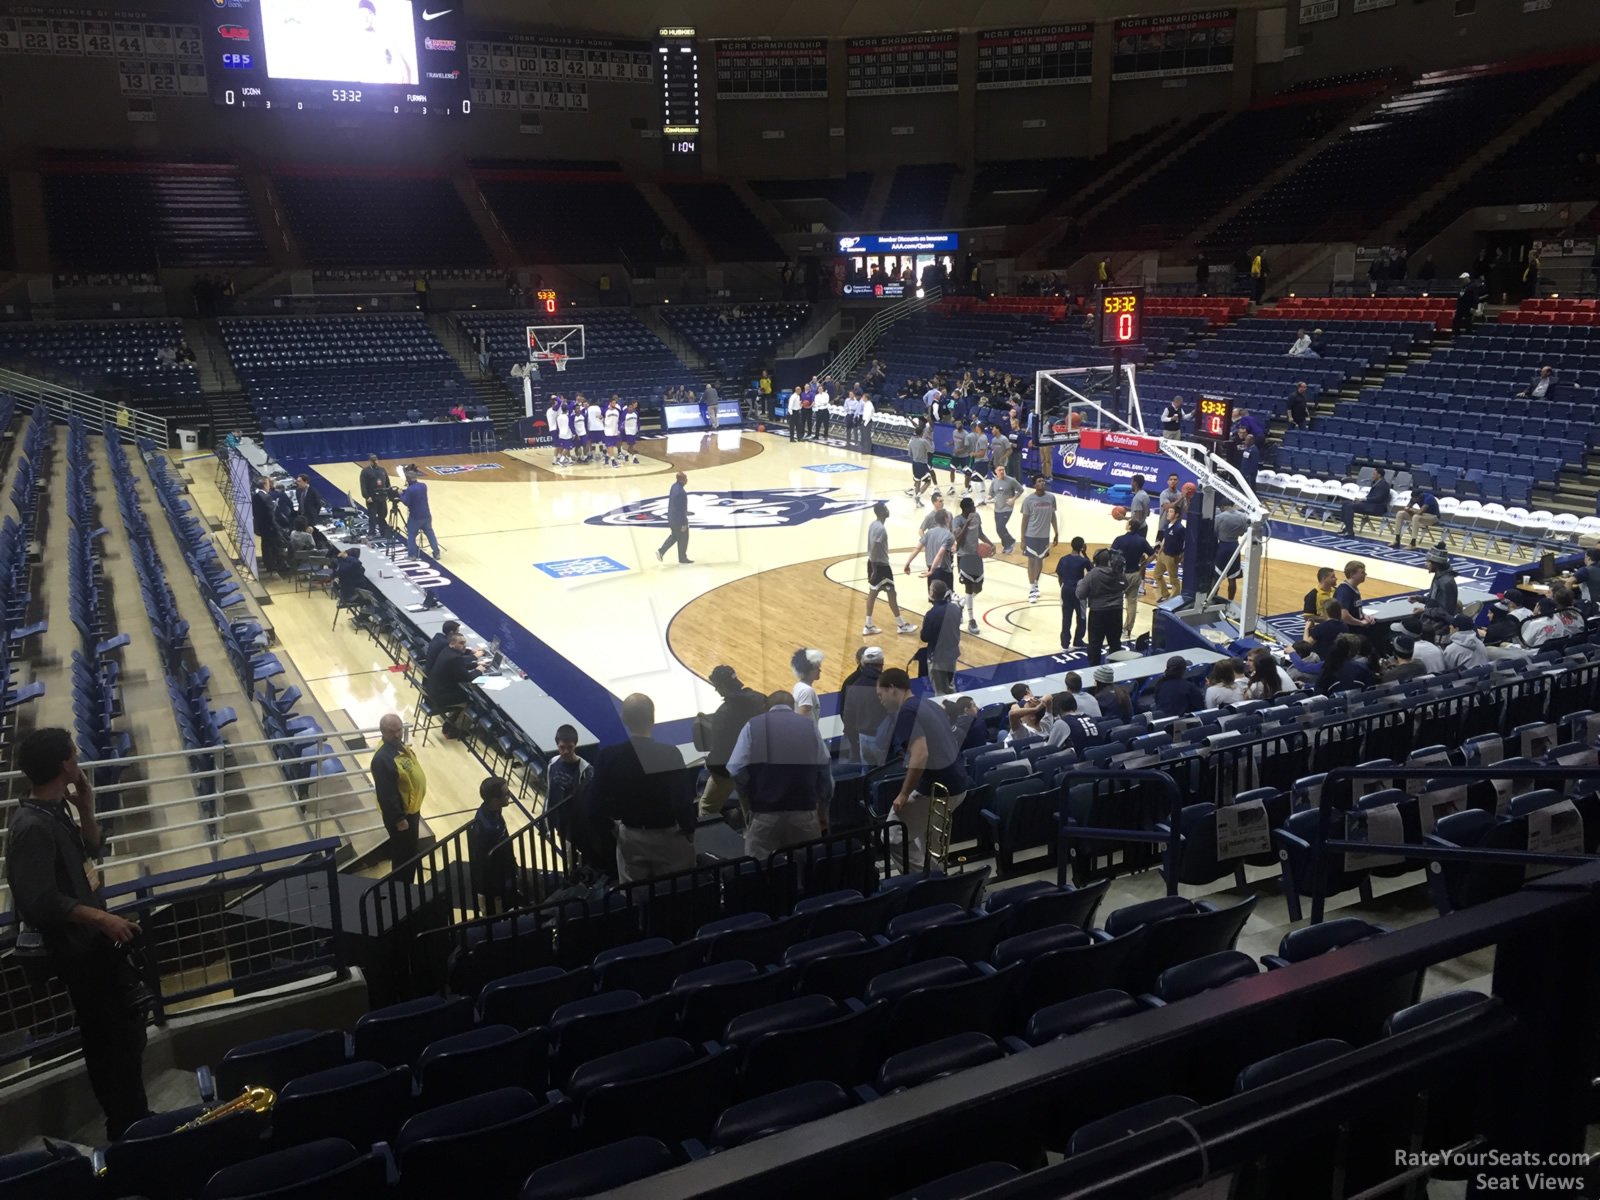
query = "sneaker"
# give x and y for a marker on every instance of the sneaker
(911, 491)
(869, 629)
(1033, 595)
(660, 557)
(920, 504)
(905, 627)
(972, 627)
(635, 458)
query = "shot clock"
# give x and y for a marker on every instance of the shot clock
(548, 301)
(1121, 316)
(1214, 421)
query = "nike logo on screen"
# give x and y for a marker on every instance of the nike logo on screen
(429, 16)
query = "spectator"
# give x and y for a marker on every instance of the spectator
(1027, 715)
(1405, 666)
(1101, 592)
(1070, 728)
(1324, 632)
(1266, 681)
(1176, 695)
(1376, 504)
(51, 847)
(1587, 577)
(941, 638)
(1468, 297)
(1202, 273)
(1421, 513)
(400, 785)
(781, 767)
(302, 542)
(641, 785)
(739, 705)
(1258, 277)
(1464, 647)
(569, 799)
(1311, 608)
(1541, 386)
(1348, 593)
(807, 668)
(1172, 418)
(1300, 406)
(1244, 421)
(1441, 596)
(1249, 458)
(1319, 347)
(490, 854)
(1116, 703)
(860, 710)
(1346, 666)
(1087, 704)
(932, 760)
(1223, 685)
(1302, 346)
(264, 508)
(1425, 649)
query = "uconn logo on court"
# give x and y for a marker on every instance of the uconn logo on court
(737, 510)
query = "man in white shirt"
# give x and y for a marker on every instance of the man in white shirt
(864, 416)
(597, 421)
(552, 420)
(933, 402)
(822, 411)
(781, 767)
(1302, 346)
(1541, 385)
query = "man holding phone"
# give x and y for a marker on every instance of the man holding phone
(55, 885)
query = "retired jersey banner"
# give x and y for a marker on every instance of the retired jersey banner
(1198, 43)
(1312, 11)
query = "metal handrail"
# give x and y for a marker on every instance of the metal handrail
(1321, 844)
(856, 349)
(62, 402)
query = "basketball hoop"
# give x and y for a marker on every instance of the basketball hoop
(560, 360)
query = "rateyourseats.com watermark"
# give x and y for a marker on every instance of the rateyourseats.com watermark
(1527, 1172)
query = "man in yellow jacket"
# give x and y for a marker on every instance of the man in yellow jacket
(401, 785)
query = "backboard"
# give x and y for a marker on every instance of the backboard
(547, 342)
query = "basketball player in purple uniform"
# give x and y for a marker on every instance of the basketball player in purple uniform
(630, 430)
(564, 433)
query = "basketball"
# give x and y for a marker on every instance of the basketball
(985, 549)
(1119, 513)
(1189, 489)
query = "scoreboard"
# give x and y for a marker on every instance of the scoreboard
(680, 94)
(1214, 420)
(1120, 316)
(549, 302)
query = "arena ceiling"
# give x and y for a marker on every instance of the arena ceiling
(814, 18)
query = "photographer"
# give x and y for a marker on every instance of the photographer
(419, 517)
(55, 886)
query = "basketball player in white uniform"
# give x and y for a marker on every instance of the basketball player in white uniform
(580, 430)
(551, 417)
(613, 428)
(630, 430)
(564, 434)
(597, 420)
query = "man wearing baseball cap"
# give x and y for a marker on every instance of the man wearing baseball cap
(739, 704)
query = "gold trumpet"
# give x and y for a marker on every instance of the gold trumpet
(253, 1099)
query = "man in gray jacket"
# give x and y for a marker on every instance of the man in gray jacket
(1101, 590)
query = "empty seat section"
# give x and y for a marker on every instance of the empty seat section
(384, 220)
(730, 230)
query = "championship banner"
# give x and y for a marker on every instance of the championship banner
(1183, 44)
(1034, 56)
(905, 65)
(769, 69)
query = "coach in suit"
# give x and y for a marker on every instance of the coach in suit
(310, 500)
(677, 520)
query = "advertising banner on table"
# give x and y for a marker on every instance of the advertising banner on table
(772, 69)
(1198, 43)
(1108, 467)
(693, 416)
(1034, 56)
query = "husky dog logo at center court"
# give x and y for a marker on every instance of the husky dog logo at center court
(737, 510)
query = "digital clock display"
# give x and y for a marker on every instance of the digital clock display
(1121, 320)
(548, 300)
(1215, 418)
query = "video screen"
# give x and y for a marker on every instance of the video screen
(347, 41)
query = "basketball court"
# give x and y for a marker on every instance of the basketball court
(778, 536)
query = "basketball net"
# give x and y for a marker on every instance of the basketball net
(560, 361)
